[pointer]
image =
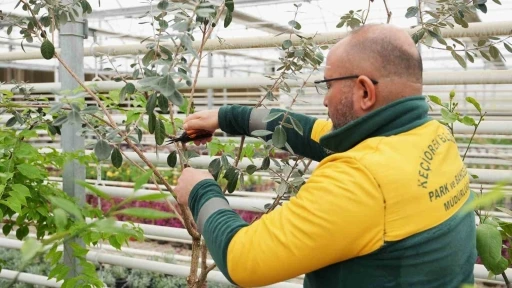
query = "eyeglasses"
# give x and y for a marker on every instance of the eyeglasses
(322, 88)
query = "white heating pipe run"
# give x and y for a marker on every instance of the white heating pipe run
(254, 203)
(137, 263)
(152, 186)
(429, 78)
(173, 269)
(242, 203)
(29, 278)
(481, 273)
(262, 195)
(474, 30)
(16, 244)
(485, 175)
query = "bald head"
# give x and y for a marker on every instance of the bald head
(374, 52)
(391, 50)
(382, 52)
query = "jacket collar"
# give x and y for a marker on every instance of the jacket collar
(397, 117)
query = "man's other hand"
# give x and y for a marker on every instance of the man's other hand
(186, 182)
(204, 120)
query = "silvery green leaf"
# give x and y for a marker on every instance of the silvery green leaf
(180, 26)
(176, 98)
(272, 116)
(75, 107)
(279, 137)
(261, 133)
(74, 117)
(204, 12)
(102, 150)
(166, 85)
(282, 188)
(112, 134)
(90, 110)
(60, 120)
(150, 81)
(296, 125)
(56, 108)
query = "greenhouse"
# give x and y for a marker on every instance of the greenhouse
(255, 143)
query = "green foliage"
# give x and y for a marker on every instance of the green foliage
(446, 14)
(39, 203)
(488, 245)
(352, 19)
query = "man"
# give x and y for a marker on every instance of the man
(382, 208)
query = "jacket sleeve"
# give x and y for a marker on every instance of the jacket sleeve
(242, 120)
(337, 215)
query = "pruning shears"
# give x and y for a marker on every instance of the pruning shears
(191, 135)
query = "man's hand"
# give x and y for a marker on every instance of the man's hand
(204, 120)
(188, 179)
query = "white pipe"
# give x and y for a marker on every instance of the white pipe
(16, 244)
(141, 252)
(173, 269)
(152, 187)
(429, 78)
(485, 127)
(242, 203)
(485, 175)
(480, 272)
(29, 278)
(252, 194)
(134, 263)
(173, 240)
(468, 77)
(161, 231)
(253, 203)
(474, 30)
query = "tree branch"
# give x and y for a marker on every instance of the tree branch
(206, 36)
(187, 215)
(387, 12)
(156, 185)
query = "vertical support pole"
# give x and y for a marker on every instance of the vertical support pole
(210, 75)
(71, 42)
(225, 90)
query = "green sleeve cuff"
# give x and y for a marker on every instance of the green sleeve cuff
(202, 192)
(301, 144)
(234, 119)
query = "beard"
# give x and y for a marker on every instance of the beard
(343, 114)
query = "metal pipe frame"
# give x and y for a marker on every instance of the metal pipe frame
(474, 30)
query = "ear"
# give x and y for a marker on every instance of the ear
(365, 94)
